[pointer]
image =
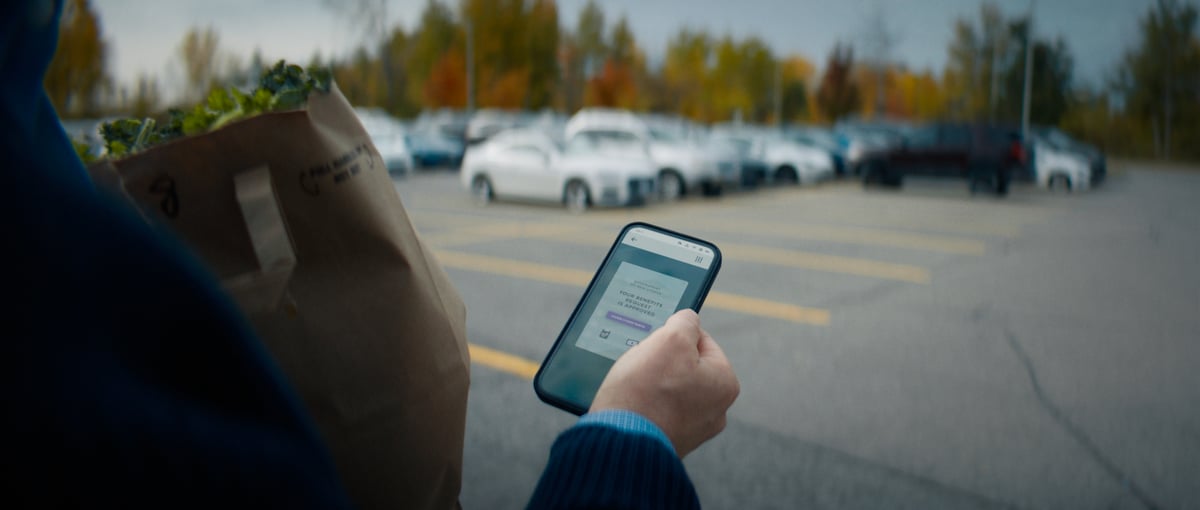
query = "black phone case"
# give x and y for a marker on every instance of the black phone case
(566, 405)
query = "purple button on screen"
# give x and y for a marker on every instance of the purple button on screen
(616, 317)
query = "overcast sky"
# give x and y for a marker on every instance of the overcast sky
(143, 34)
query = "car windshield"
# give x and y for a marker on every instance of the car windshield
(661, 135)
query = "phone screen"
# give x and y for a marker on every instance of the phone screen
(649, 274)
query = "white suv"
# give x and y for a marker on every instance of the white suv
(683, 165)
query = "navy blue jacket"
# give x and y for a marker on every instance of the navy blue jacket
(130, 380)
(596, 467)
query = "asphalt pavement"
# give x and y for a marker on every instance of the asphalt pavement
(919, 348)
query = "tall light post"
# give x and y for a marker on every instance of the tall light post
(1026, 96)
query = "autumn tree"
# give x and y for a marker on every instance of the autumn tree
(360, 78)
(393, 62)
(507, 56)
(77, 73)
(914, 95)
(581, 54)
(838, 94)
(616, 85)
(795, 77)
(436, 36)
(590, 39)
(145, 100)
(977, 54)
(685, 72)
(446, 86)
(1051, 79)
(198, 55)
(1160, 78)
(543, 54)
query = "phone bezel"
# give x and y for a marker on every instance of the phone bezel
(706, 285)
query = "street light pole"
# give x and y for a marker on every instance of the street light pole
(1026, 97)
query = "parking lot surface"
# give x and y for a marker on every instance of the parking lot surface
(919, 348)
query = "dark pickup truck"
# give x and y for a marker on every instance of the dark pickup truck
(987, 156)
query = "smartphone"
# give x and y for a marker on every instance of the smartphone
(649, 274)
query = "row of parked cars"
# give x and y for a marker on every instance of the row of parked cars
(609, 157)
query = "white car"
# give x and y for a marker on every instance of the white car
(389, 137)
(787, 161)
(1059, 169)
(531, 165)
(683, 165)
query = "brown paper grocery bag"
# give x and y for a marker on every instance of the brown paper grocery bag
(297, 215)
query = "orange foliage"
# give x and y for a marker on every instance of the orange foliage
(447, 83)
(505, 91)
(613, 87)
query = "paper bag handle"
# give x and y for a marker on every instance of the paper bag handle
(262, 290)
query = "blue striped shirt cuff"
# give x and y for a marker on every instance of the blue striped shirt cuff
(626, 421)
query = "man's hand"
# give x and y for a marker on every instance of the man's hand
(678, 378)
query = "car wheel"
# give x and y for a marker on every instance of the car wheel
(481, 190)
(1002, 181)
(1060, 184)
(577, 196)
(872, 174)
(787, 176)
(670, 185)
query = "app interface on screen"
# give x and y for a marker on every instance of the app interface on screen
(636, 302)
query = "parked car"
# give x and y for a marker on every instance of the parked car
(986, 156)
(1062, 141)
(822, 139)
(528, 164)
(683, 165)
(787, 161)
(389, 137)
(754, 171)
(435, 149)
(487, 122)
(857, 140)
(445, 121)
(1059, 168)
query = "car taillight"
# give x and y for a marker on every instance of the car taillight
(1017, 151)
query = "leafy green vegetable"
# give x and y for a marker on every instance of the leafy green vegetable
(84, 151)
(282, 87)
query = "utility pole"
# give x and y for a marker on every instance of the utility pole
(1026, 97)
(470, 67)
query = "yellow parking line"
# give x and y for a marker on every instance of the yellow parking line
(793, 258)
(851, 235)
(498, 231)
(503, 361)
(827, 263)
(575, 277)
(787, 258)
(514, 268)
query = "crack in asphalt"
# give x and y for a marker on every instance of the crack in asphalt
(816, 452)
(1074, 431)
